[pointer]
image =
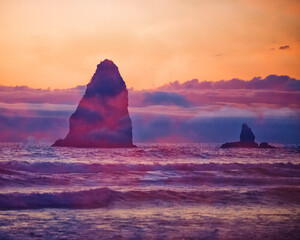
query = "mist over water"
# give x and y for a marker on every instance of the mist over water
(165, 191)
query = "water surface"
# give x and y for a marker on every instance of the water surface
(169, 191)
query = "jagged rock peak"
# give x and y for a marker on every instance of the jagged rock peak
(246, 134)
(106, 80)
(106, 65)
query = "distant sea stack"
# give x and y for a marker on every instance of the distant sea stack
(246, 140)
(246, 135)
(101, 118)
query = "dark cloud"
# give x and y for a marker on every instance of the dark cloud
(161, 123)
(284, 47)
(21, 128)
(165, 98)
(163, 128)
(41, 124)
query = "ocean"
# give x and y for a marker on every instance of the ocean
(154, 191)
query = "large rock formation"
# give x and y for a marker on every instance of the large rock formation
(101, 118)
(246, 140)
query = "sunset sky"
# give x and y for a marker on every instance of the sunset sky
(58, 43)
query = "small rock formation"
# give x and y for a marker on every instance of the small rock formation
(246, 134)
(101, 118)
(246, 140)
(265, 145)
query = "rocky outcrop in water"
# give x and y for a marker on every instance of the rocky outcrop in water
(101, 118)
(246, 140)
(239, 145)
(265, 145)
(246, 134)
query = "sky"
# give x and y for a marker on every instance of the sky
(196, 70)
(57, 44)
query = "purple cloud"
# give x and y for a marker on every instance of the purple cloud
(284, 47)
(271, 82)
(23, 94)
(192, 111)
(165, 98)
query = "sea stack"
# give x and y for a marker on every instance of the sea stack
(101, 119)
(246, 135)
(246, 140)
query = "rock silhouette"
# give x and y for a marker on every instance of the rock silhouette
(265, 145)
(246, 140)
(246, 134)
(101, 118)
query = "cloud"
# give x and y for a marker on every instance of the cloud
(192, 111)
(27, 122)
(272, 82)
(23, 94)
(284, 47)
(185, 94)
(164, 124)
(165, 128)
(213, 123)
(165, 98)
(28, 128)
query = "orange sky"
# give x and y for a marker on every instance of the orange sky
(58, 43)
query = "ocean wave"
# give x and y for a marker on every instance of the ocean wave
(105, 197)
(267, 169)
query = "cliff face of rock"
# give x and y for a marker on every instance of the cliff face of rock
(101, 118)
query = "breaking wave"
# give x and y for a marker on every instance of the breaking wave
(170, 175)
(105, 197)
(272, 169)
